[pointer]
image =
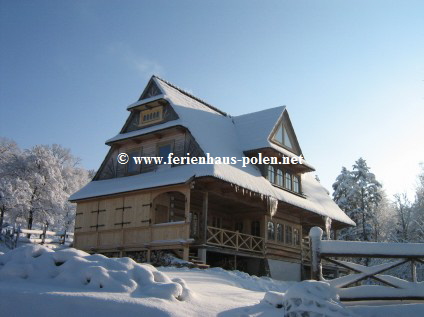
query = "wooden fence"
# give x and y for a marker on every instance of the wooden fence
(351, 286)
(12, 235)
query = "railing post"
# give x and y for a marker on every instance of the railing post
(63, 240)
(414, 271)
(315, 235)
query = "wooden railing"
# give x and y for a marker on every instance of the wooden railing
(385, 286)
(234, 240)
(11, 236)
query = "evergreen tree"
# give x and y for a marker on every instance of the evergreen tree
(358, 194)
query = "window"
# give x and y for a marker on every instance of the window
(256, 229)
(164, 150)
(296, 236)
(288, 181)
(289, 234)
(133, 168)
(194, 225)
(286, 140)
(282, 137)
(296, 187)
(216, 222)
(279, 177)
(280, 237)
(151, 115)
(271, 231)
(271, 174)
(238, 226)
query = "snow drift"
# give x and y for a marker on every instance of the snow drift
(75, 269)
(308, 298)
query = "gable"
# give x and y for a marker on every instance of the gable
(151, 90)
(284, 136)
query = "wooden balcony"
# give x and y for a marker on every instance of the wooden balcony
(234, 240)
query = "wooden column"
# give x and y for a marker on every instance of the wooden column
(205, 216)
(186, 252)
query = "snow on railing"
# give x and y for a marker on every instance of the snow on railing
(390, 287)
(11, 236)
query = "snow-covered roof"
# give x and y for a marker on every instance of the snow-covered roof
(218, 135)
(254, 130)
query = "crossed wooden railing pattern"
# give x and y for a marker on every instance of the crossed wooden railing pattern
(234, 240)
(349, 286)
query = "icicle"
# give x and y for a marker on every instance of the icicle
(328, 227)
(272, 205)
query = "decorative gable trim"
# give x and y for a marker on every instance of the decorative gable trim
(283, 134)
(151, 90)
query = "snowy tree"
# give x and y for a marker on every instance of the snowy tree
(358, 193)
(35, 184)
(404, 218)
(418, 209)
(14, 192)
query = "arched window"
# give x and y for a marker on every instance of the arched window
(279, 177)
(288, 181)
(271, 174)
(280, 237)
(271, 231)
(296, 187)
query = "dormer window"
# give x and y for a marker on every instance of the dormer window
(150, 116)
(283, 179)
(288, 181)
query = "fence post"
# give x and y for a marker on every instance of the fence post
(315, 237)
(63, 238)
(44, 233)
(16, 237)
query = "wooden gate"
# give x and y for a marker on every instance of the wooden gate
(350, 286)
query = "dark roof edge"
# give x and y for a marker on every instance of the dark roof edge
(191, 96)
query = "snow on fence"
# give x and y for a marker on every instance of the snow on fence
(390, 287)
(12, 235)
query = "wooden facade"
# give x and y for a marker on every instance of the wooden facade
(219, 221)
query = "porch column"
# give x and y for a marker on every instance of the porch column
(205, 216)
(186, 253)
(187, 205)
(201, 254)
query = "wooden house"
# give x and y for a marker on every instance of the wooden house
(251, 217)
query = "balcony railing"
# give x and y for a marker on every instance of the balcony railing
(235, 240)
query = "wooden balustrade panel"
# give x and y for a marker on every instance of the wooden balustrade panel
(170, 232)
(111, 238)
(136, 236)
(234, 240)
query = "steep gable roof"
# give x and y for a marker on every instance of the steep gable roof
(255, 130)
(219, 135)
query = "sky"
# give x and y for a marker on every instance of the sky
(351, 73)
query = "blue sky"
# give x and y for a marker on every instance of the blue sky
(350, 72)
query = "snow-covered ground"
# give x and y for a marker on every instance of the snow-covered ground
(36, 281)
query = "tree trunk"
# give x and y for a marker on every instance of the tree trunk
(30, 220)
(1, 217)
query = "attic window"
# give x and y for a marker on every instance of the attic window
(150, 116)
(283, 137)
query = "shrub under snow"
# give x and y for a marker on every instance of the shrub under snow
(71, 268)
(308, 299)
